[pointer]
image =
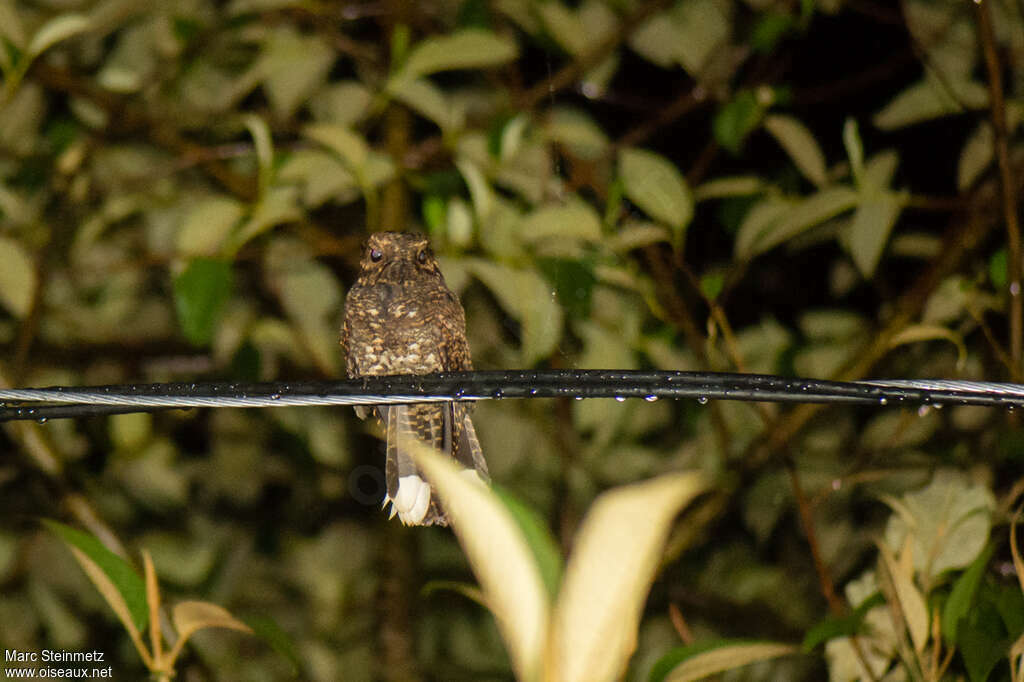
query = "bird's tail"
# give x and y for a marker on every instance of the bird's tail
(446, 427)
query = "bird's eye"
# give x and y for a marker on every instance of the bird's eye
(376, 255)
(422, 257)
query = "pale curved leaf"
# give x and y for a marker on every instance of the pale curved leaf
(613, 562)
(565, 27)
(207, 225)
(575, 219)
(868, 232)
(759, 221)
(854, 148)
(976, 155)
(801, 146)
(467, 49)
(779, 220)
(655, 185)
(576, 130)
(351, 147)
(735, 186)
(949, 522)
(727, 657)
(264, 145)
(17, 277)
(11, 28)
(479, 189)
(430, 101)
(292, 67)
(191, 616)
(926, 100)
(500, 557)
(55, 30)
(929, 332)
(526, 296)
(911, 601)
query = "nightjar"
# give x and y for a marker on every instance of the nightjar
(401, 318)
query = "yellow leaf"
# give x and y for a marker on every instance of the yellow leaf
(500, 557)
(191, 616)
(608, 576)
(727, 658)
(911, 601)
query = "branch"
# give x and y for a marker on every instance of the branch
(986, 35)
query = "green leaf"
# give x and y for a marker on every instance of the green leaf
(433, 209)
(771, 27)
(655, 185)
(1009, 600)
(200, 293)
(573, 280)
(697, 661)
(538, 538)
(982, 641)
(124, 578)
(961, 599)
(467, 590)
(736, 119)
(801, 146)
(270, 632)
(471, 48)
(840, 626)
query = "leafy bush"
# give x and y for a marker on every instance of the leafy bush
(812, 188)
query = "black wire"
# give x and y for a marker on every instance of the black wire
(63, 401)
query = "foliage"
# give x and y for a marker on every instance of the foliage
(809, 188)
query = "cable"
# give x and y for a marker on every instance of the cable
(63, 401)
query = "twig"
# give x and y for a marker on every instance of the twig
(674, 110)
(986, 35)
(828, 589)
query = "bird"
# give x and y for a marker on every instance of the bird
(401, 318)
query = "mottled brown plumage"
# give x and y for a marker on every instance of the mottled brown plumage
(401, 318)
